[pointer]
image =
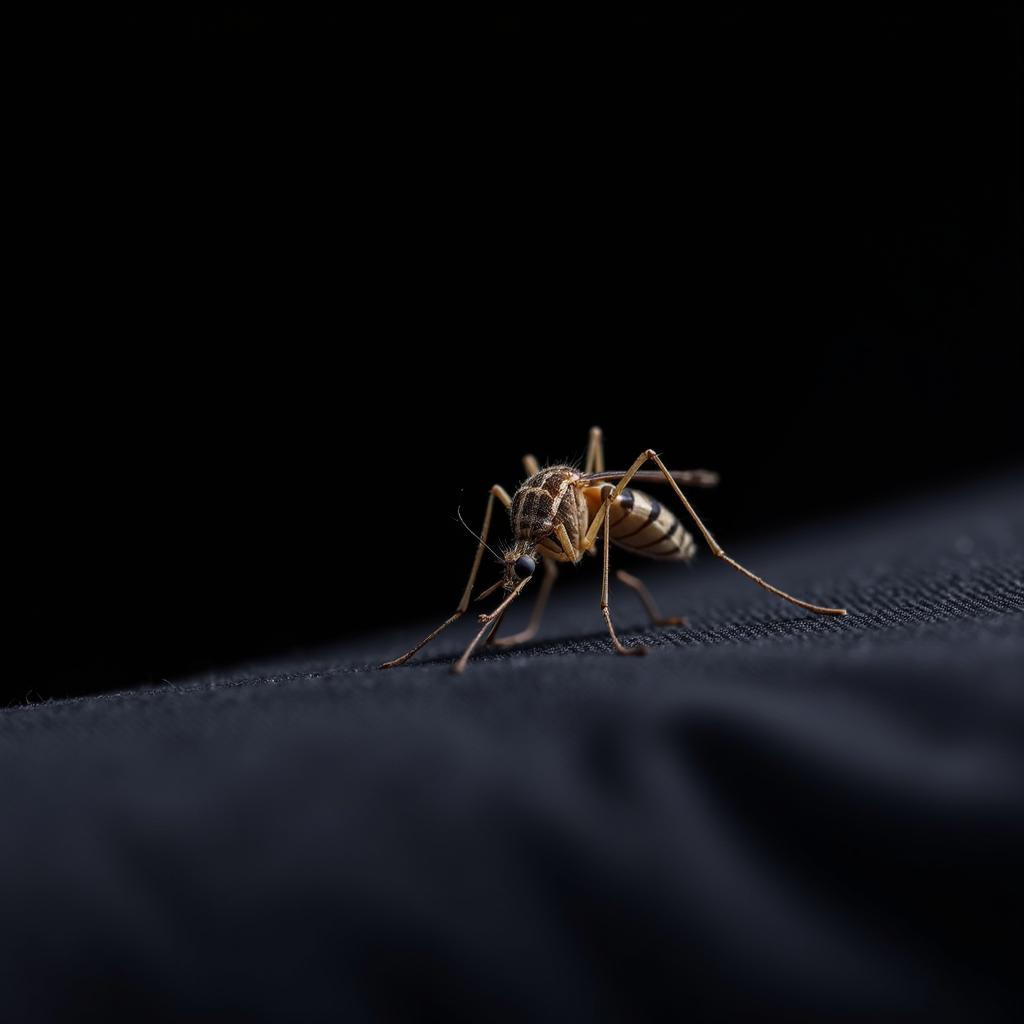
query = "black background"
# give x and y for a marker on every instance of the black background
(308, 284)
(325, 279)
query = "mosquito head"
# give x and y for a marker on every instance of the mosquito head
(520, 562)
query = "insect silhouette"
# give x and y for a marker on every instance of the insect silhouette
(556, 515)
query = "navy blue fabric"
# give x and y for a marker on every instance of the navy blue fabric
(772, 815)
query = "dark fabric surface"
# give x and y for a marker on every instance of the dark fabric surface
(772, 815)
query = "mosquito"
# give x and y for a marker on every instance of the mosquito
(556, 515)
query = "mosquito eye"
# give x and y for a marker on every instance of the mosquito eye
(525, 566)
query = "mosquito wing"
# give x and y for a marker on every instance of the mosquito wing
(683, 477)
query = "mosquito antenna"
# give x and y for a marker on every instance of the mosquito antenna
(477, 535)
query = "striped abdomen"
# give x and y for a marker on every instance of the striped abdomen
(545, 500)
(641, 524)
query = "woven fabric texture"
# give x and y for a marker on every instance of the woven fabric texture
(771, 815)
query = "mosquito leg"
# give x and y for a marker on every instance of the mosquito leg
(489, 625)
(495, 626)
(595, 452)
(490, 590)
(648, 600)
(501, 609)
(719, 553)
(563, 539)
(610, 496)
(595, 461)
(604, 597)
(531, 465)
(550, 575)
(501, 494)
(459, 666)
(716, 548)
